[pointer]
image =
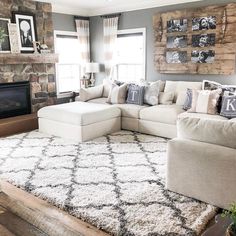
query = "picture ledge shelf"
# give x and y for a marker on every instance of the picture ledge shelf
(20, 58)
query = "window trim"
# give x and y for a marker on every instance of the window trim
(143, 32)
(64, 33)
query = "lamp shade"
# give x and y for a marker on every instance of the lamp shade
(92, 67)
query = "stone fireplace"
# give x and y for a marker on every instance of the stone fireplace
(37, 69)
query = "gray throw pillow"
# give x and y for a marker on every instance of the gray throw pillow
(151, 94)
(135, 94)
(188, 100)
(228, 108)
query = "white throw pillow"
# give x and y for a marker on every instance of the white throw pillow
(117, 94)
(205, 101)
(86, 94)
(151, 93)
(166, 98)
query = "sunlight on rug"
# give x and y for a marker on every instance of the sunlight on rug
(116, 182)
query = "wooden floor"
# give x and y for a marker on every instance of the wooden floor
(22, 214)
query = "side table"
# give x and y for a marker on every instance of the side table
(219, 228)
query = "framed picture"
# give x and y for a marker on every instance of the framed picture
(204, 23)
(203, 40)
(13, 35)
(207, 56)
(180, 25)
(27, 30)
(176, 57)
(4, 36)
(179, 41)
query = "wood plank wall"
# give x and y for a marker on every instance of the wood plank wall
(225, 45)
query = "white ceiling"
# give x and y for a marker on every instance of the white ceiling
(99, 7)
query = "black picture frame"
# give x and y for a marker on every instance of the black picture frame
(27, 30)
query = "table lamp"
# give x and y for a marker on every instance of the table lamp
(92, 67)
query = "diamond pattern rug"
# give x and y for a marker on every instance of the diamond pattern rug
(115, 182)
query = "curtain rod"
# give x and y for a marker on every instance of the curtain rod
(81, 18)
(111, 15)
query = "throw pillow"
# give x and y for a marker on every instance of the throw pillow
(135, 94)
(151, 94)
(107, 83)
(117, 94)
(210, 85)
(205, 101)
(188, 100)
(166, 98)
(86, 94)
(228, 108)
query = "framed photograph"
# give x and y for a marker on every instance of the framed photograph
(13, 35)
(176, 57)
(207, 56)
(204, 23)
(203, 40)
(180, 25)
(27, 30)
(4, 36)
(179, 41)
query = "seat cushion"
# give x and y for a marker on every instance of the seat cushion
(130, 110)
(219, 132)
(161, 113)
(79, 113)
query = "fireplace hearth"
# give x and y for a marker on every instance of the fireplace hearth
(15, 99)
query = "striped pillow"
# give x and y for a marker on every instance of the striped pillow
(205, 101)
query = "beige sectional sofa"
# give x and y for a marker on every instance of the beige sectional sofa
(159, 120)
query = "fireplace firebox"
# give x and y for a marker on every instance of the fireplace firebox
(15, 99)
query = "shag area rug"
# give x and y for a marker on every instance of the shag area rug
(116, 182)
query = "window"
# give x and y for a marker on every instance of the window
(130, 55)
(68, 67)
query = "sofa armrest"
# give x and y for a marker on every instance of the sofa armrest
(201, 170)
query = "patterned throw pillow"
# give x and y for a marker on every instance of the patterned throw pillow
(205, 101)
(135, 94)
(151, 94)
(188, 100)
(228, 108)
(117, 94)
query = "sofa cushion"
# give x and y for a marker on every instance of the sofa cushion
(79, 113)
(130, 110)
(181, 86)
(86, 94)
(166, 98)
(220, 132)
(107, 83)
(161, 113)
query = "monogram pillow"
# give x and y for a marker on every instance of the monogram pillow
(228, 108)
(135, 94)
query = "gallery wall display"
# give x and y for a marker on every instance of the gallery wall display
(27, 30)
(4, 36)
(196, 41)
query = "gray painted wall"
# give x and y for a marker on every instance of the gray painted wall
(139, 19)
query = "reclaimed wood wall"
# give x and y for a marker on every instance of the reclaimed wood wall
(225, 44)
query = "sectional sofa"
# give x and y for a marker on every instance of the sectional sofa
(201, 154)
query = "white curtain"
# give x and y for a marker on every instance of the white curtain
(110, 27)
(82, 27)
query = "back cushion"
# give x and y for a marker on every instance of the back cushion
(107, 83)
(180, 89)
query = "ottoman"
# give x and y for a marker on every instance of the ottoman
(80, 121)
